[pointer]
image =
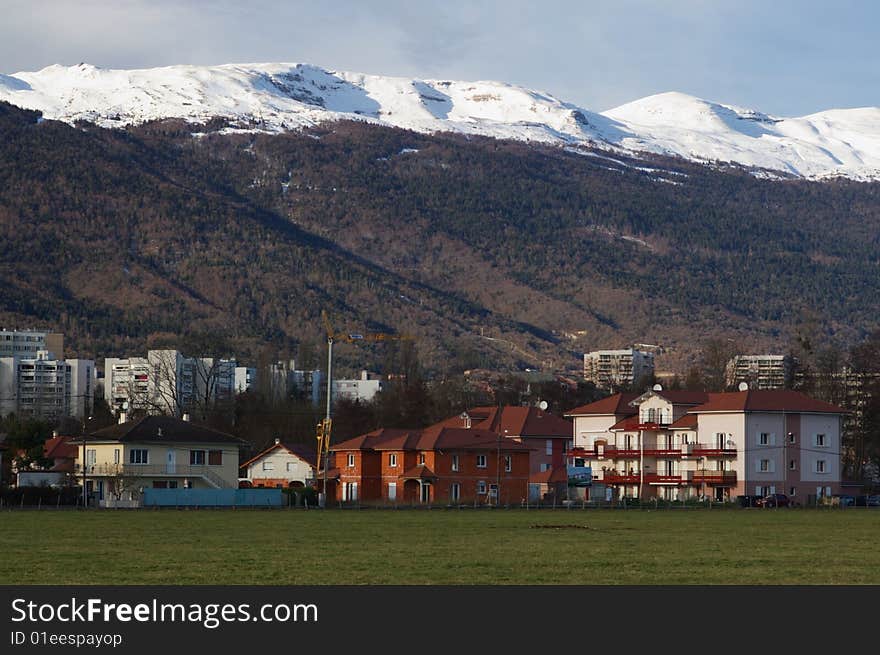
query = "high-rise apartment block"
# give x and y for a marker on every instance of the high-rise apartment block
(612, 369)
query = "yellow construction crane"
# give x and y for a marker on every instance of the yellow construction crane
(324, 427)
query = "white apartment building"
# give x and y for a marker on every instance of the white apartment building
(362, 389)
(612, 369)
(27, 343)
(167, 382)
(676, 445)
(245, 379)
(41, 386)
(759, 371)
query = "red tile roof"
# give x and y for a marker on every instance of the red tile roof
(61, 448)
(419, 472)
(436, 437)
(514, 422)
(687, 421)
(766, 401)
(616, 404)
(628, 423)
(684, 397)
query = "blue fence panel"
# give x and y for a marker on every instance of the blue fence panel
(213, 498)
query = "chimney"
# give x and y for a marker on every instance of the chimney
(186, 417)
(122, 417)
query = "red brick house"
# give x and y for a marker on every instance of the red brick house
(548, 436)
(442, 464)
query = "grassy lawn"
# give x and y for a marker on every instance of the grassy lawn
(441, 547)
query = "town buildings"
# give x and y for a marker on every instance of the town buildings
(444, 463)
(281, 465)
(159, 452)
(27, 343)
(42, 386)
(613, 369)
(167, 382)
(760, 371)
(362, 389)
(676, 445)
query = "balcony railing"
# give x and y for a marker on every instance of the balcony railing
(154, 470)
(721, 478)
(668, 452)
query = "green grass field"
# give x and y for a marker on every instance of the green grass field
(754, 547)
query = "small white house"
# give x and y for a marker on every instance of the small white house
(281, 465)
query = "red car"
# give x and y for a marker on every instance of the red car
(773, 500)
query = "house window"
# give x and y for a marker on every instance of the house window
(351, 460)
(792, 491)
(268, 466)
(481, 487)
(91, 457)
(455, 462)
(138, 456)
(792, 438)
(454, 491)
(820, 440)
(116, 455)
(764, 439)
(820, 466)
(493, 491)
(392, 491)
(764, 466)
(392, 460)
(508, 463)
(421, 458)
(215, 457)
(197, 458)
(792, 465)
(481, 462)
(549, 446)
(544, 466)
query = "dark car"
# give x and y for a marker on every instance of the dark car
(773, 500)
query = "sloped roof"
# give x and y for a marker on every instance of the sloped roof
(619, 403)
(162, 429)
(419, 472)
(687, 421)
(517, 421)
(628, 423)
(436, 437)
(779, 400)
(60, 448)
(300, 450)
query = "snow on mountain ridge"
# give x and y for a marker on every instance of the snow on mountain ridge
(282, 96)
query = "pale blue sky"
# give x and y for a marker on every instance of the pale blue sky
(784, 57)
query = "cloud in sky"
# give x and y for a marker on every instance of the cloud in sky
(787, 57)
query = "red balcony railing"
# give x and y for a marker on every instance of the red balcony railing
(719, 478)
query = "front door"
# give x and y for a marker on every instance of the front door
(425, 492)
(392, 491)
(170, 461)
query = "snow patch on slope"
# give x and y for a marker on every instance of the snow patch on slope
(279, 97)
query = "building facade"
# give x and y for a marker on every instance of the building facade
(760, 371)
(26, 343)
(362, 389)
(676, 445)
(437, 465)
(160, 452)
(42, 386)
(613, 369)
(281, 465)
(167, 382)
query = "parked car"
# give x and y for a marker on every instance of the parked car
(872, 501)
(843, 500)
(773, 500)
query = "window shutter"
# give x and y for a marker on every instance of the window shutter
(772, 489)
(758, 491)
(772, 466)
(772, 438)
(757, 466)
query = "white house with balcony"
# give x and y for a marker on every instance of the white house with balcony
(676, 445)
(159, 452)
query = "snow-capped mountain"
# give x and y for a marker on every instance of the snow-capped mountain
(276, 97)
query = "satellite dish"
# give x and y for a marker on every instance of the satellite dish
(543, 405)
(743, 386)
(657, 387)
